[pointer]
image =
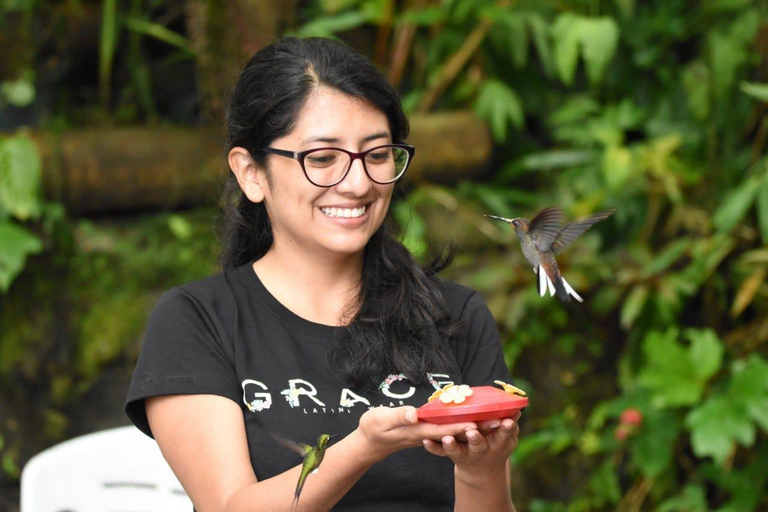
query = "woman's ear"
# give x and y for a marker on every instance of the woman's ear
(251, 178)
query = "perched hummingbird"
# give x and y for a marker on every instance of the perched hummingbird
(313, 456)
(545, 236)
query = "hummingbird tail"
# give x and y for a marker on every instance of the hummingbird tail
(545, 283)
(570, 291)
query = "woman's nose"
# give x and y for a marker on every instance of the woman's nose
(356, 181)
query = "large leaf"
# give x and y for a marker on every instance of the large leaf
(16, 244)
(599, 40)
(717, 425)
(676, 374)
(498, 104)
(566, 34)
(20, 177)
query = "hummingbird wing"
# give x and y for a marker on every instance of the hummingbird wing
(544, 228)
(300, 448)
(575, 229)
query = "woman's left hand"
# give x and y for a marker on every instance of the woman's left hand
(485, 449)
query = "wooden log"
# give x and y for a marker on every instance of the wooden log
(124, 169)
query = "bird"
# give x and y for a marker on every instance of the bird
(312, 455)
(544, 237)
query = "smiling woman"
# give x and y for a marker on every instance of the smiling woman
(321, 322)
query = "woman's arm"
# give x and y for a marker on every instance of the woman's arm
(481, 474)
(204, 441)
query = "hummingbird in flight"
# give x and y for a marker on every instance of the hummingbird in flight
(544, 237)
(312, 455)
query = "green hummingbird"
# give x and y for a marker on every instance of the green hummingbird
(313, 456)
(544, 237)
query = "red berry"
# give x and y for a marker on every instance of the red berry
(631, 417)
(621, 433)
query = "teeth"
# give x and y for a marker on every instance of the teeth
(347, 213)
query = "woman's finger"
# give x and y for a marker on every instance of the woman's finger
(476, 442)
(434, 448)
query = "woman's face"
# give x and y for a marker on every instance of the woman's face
(339, 219)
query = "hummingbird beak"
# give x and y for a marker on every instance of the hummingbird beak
(499, 218)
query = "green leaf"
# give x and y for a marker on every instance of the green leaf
(566, 35)
(762, 208)
(633, 306)
(671, 253)
(627, 7)
(727, 55)
(107, 44)
(20, 177)
(692, 499)
(749, 386)
(756, 90)
(735, 205)
(326, 26)
(599, 40)
(698, 86)
(499, 105)
(716, 426)
(510, 31)
(16, 244)
(650, 449)
(674, 373)
(159, 32)
(424, 17)
(554, 159)
(542, 40)
(414, 229)
(618, 166)
(706, 352)
(20, 92)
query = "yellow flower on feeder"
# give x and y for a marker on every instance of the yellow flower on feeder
(509, 388)
(452, 394)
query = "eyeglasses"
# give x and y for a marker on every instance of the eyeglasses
(326, 167)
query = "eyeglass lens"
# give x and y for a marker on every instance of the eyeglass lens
(327, 166)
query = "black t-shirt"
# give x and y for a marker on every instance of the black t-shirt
(227, 335)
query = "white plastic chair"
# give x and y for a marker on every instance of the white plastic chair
(119, 469)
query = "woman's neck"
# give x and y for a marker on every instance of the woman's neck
(315, 288)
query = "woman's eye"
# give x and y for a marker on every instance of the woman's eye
(321, 160)
(378, 158)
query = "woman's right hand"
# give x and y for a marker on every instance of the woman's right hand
(388, 430)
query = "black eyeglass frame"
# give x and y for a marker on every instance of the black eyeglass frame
(300, 155)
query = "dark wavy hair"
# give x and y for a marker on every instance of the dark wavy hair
(399, 316)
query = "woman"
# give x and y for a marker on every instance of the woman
(321, 322)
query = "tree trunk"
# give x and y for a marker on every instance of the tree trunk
(122, 169)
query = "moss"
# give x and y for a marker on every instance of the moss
(107, 329)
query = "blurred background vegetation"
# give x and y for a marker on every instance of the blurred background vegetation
(651, 395)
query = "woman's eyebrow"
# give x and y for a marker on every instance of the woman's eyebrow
(335, 140)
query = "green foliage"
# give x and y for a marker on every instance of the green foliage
(654, 108)
(657, 110)
(20, 202)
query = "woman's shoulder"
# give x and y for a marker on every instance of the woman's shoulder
(457, 297)
(223, 286)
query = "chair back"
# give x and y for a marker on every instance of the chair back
(119, 469)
